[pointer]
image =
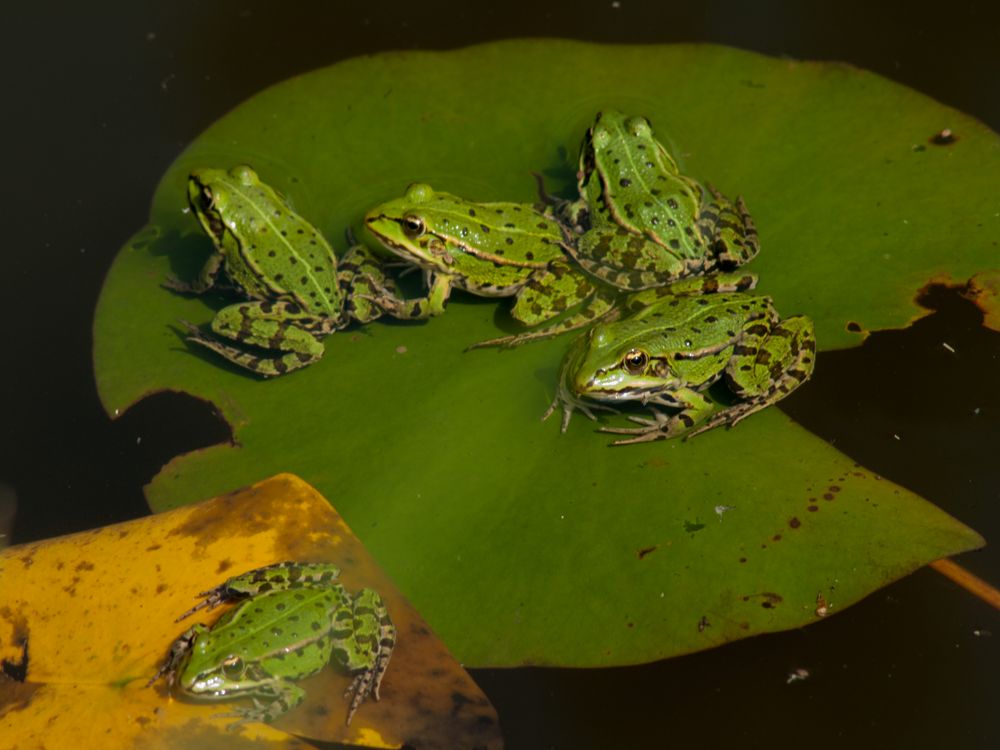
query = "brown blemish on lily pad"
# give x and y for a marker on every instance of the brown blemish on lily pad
(983, 290)
(943, 138)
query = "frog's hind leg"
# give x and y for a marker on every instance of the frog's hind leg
(713, 283)
(362, 277)
(694, 409)
(269, 325)
(275, 577)
(280, 700)
(770, 365)
(730, 230)
(626, 260)
(367, 647)
(549, 293)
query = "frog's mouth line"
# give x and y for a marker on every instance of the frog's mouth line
(641, 395)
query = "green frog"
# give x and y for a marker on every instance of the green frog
(293, 617)
(671, 348)
(488, 249)
(643, 223)
(297, 291)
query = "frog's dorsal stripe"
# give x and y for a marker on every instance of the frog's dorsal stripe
(647, 192)
(483, 219)
(279, 609)
(294, 257)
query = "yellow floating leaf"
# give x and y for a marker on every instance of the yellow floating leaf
(91, 616)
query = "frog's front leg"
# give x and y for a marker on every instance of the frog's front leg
(178, 650)
(695, 408)
(565, 398)
(729, 229)
(362, 277)
(548, 293)
(205, 280)
(571, 215)
(771, 364)
(416, 308)
(282, 697)
(366, 645)
(270, 325)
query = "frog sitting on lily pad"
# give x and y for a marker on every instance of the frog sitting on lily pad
(643, 224)
(296, 289)
(638, 224)
(673, 347)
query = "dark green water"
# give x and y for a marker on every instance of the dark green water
(100, 100)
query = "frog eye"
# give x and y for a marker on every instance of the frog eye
(635, 360)
(233, 667)
(413, 225)
(639, 127)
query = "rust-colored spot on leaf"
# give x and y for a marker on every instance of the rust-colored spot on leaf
(943, 138)
(983, 289)
(646, 550)
(794, 522)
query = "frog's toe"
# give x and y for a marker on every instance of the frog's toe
(638, 436)
(359, 689)
(191, 327)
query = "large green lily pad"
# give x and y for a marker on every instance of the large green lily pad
(520, 545)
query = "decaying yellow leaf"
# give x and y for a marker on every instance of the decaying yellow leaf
(91, 617)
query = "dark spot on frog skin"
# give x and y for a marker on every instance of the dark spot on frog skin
(645, 551)
(943, 138)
